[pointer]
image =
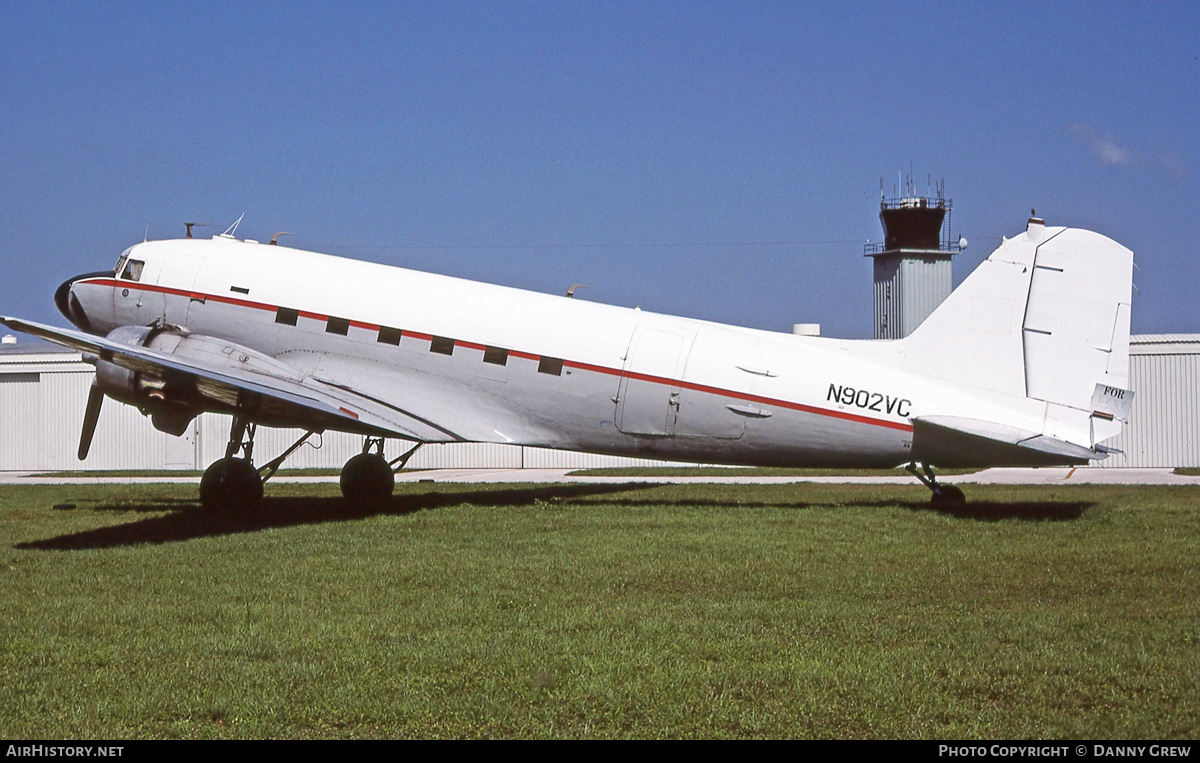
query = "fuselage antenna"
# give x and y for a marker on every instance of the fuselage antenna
(275, 238)
(232, 229)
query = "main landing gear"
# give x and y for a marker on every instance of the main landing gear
(234, 483)
(944, 496)
(368, 478)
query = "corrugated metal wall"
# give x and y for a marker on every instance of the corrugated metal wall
(124, 438)
(21, 420)
(1164, 428)
(907, 289)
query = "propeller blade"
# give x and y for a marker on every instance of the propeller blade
(90, 415)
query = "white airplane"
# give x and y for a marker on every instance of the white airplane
(1025, 364)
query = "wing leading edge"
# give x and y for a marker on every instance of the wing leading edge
(297, 401)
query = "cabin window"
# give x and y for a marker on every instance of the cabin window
(388, 335)
(287, 316)
(338, 326)
(442, 345)
(552, 366)
(133, 270)
(239, 289)
(496, 355)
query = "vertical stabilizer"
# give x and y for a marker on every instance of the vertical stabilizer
(1045, 316)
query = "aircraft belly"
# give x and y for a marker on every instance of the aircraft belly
(853, 447)
(803, 438)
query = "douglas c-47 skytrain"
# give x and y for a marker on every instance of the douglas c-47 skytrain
(1025, 364)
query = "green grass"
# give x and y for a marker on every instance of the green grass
(1188, 471)
(746, 471)
(601, 611)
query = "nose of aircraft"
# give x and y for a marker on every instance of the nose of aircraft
(68, 304)
(61, 296)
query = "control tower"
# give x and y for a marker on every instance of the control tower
(912, 264)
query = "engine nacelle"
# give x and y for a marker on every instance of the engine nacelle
(170, 408)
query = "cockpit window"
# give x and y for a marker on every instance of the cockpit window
(133, 270)
(120, 263)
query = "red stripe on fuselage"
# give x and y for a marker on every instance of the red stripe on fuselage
(607, 371)
(739, 395)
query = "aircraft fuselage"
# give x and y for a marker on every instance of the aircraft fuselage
(475, 362)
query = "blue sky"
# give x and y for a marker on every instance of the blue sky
(717, 160)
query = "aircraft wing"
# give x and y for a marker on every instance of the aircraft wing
(270, 391)
(952, 441)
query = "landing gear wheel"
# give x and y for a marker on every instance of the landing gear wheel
(230, 484)
(948, 497)
(367, 480)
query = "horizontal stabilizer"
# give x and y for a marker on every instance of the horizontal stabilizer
(951, 442)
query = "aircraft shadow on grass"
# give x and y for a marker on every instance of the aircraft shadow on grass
(994, 511)
(187, 522)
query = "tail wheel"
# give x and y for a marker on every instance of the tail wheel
(367, 480)
(230, 484)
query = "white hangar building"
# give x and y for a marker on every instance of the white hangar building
(43, 391)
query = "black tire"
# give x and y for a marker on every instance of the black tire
(231, 484)
(367, 480)
(948, 497)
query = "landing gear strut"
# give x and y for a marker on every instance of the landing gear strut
(231, 482)
(944, 496)
(234, 483)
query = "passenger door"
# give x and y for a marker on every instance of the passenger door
(648, 398)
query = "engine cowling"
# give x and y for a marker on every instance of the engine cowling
(171, 407)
